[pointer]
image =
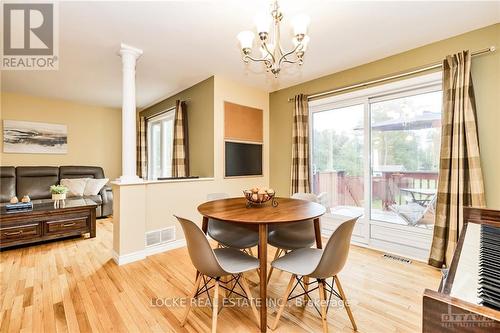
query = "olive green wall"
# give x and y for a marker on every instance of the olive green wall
(486, 76)
(200, 109)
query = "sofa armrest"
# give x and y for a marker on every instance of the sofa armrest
(107, 200)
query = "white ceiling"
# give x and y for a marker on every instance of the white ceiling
(185, 42)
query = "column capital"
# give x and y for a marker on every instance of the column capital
(129, 50)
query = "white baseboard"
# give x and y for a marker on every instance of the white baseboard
(128, 258)
(150, 250)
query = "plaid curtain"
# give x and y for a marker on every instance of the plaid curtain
(460, 179)
(300, 146)
(142, 148)
(180, 153)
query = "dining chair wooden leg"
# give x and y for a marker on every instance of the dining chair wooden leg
(215, 306)
(246, 289)
(346, 303)
(224, 280)
(270, 273)
(284, 300)
(276, 255)
(193, 294)
(322, 298)
(305, 280)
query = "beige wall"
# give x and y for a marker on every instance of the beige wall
(125, 239)
(164, 199)
(200, 108)
(230, 91)
(94, 133)
(486, 75)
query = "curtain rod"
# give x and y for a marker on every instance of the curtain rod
(425, 68)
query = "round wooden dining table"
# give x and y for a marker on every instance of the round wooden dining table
(234, 210)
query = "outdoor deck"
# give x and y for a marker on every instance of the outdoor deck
(343, 194)
(377, 215)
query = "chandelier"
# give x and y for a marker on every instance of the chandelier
(272, 54)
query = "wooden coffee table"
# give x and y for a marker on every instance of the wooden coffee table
(44, 222)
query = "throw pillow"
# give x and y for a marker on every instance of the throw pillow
(76, 186)
(94, 186)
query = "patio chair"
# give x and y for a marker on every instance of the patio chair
(413, 213)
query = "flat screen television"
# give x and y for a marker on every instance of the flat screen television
(243, 159)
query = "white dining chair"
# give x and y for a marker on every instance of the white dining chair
(292, 236)
(231, 235)
(319, 265)
(213, 266)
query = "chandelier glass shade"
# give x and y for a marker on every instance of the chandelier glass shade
(272, 54)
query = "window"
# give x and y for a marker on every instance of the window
(160, 145)
(375, 154)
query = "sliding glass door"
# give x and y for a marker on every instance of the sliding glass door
(337, 159)
(405, 143)
(375, 154)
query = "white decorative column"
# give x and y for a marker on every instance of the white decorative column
(129, 57)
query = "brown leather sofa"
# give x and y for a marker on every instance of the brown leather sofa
(7, 183)
(35, 181)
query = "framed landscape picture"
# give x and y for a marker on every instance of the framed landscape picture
(34, 138)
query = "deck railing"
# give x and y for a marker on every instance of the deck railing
(345, 190)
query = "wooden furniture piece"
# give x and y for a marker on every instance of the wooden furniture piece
(44, 222)
(234, 210)
(456, 306)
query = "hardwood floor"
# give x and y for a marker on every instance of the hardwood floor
(75, 286)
